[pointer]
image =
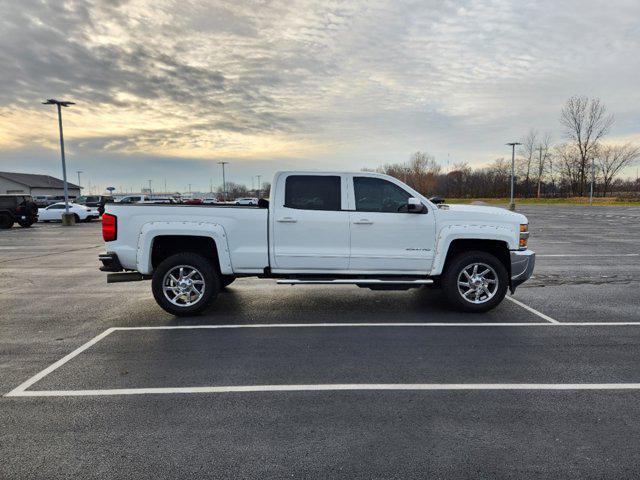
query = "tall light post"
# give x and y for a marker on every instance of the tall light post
(224, 181)
(512, 205)
(149, 186)
(79, 172)
(259, 185)
(67, 218)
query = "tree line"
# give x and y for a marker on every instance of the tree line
(542, 168)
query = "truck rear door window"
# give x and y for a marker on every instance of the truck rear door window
(313, 192)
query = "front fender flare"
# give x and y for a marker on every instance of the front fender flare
(449, 233)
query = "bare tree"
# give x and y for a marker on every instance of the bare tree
(568, 164)
(420, 172)
(234, 190)
(527, 155)
(611, 159)
(543, 153)
(586, 122)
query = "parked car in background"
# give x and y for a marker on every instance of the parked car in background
(159, 200)
(43, 201)
(54, 212)
(17, 208)
(94, 201)
(210, 200)
(145, 199)
(132, 199)
(247, 201)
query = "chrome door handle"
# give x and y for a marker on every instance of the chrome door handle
(363, 221)
(287, 220)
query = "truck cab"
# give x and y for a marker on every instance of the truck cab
(359, 228)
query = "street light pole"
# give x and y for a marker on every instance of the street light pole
(149, 186)
(79, 185)
(66, 220)
(512, 205)
(224, 181)
(259, 185)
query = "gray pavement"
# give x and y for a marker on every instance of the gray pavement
(53, 300)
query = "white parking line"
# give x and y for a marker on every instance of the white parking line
(39, 376)
(593, 255)
(21, 390)
(330, 388)
(532, 310)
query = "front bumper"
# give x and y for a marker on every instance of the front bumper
(522, 263)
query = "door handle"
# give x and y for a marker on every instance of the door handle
(363, 221)
(287, 220)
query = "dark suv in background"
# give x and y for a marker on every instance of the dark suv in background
(17, 208)
(96, 201)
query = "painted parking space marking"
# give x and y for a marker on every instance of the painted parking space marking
(331, 387)
(22, 390)
(532, 310)
(591, 255)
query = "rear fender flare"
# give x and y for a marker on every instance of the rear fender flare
(151, 230)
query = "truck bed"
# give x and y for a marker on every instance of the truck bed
(245, 228)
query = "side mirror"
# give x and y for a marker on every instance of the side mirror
(437, 200)
(414, 205)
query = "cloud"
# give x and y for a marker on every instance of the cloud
(344, 83)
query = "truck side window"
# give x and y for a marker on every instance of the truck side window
(378, 195)
(312, 192)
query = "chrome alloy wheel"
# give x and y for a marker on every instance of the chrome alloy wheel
(183, 285)
(478, 283)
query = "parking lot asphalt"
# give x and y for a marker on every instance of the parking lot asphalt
(418, 391)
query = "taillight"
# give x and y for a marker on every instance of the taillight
(109, 227)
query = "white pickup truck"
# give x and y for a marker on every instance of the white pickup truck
(364, 229)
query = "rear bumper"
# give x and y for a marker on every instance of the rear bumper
(522, 263)
(110, 262)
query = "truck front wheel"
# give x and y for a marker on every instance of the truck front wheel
(185, 283)
(475, 281)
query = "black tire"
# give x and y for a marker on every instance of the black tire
(26, 223)
(192, 260)
(226, 280)
(76, 218)
(6, 221)
(455, 269)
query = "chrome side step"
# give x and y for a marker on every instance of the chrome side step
(355, 281)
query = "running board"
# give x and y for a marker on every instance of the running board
(355, 281)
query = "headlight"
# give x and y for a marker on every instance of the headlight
(524, 236)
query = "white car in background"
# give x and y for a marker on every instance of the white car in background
(54, 212)
(246, 201)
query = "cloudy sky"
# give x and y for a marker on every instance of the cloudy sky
(165, 89)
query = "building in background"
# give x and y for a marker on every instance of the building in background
(33, 184)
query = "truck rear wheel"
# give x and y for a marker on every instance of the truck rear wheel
(185, 283)
(475, 281)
